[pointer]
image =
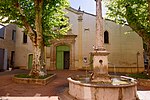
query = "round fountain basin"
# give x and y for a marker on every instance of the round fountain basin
(121, 88)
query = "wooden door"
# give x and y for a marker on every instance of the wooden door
(66, 59)
(30, 58)
(62, 57)
(1, 58)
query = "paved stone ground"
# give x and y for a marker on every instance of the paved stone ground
(58, 87)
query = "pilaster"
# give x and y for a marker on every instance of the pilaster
(80, 40)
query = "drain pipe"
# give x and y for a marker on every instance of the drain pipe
(137, 55)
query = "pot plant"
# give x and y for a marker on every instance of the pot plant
(10, 68)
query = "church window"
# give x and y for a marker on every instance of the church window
(106, 37)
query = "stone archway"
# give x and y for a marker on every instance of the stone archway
(67, 40)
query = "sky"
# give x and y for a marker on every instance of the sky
(87, 6)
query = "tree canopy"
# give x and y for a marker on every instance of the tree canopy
(23, 14)
(135, 13)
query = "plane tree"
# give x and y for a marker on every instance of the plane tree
(42, 20)
(136, 14)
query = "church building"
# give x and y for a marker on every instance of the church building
(73, 51)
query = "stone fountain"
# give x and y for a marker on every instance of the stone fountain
(100, 85)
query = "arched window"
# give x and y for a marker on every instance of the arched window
(106, 37)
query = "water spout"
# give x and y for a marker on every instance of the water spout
(114, 67)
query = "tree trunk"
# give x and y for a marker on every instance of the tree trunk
(148, 56)
(38, 65)
(39, 52)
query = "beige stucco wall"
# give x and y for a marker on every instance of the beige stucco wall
(124, 46)
(22, 50)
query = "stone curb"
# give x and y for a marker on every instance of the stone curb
(34, 81)
(144, 82)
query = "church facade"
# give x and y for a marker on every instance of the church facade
(73, 51)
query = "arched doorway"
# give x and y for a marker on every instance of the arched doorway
(62, 57)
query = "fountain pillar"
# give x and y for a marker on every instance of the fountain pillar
(100, 60)
(80, 40)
